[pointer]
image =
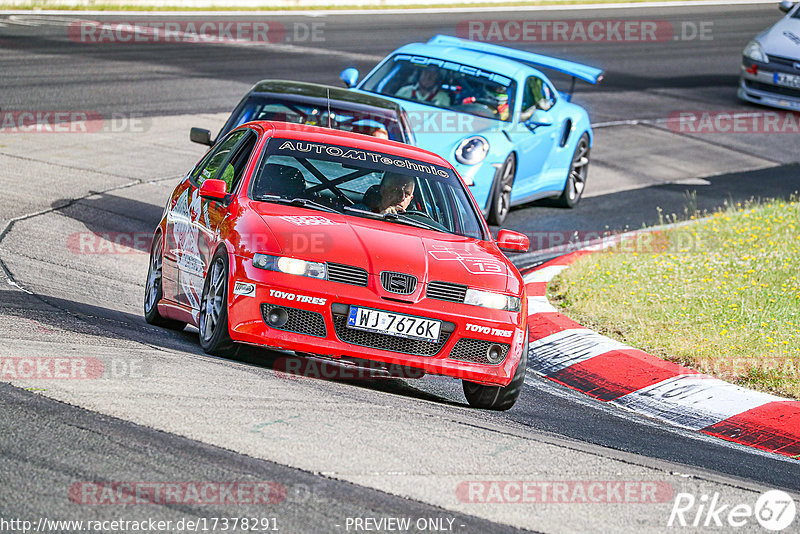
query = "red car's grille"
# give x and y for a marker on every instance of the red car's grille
(386, 342)
(446, 291)
(347, 274)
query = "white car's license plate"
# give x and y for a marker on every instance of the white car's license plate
(394, 324)
(788, 80)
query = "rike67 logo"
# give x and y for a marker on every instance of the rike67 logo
(774, 510)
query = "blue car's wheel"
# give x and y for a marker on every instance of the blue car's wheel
(576, 179)
(501, 195)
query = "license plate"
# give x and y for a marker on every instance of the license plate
(394, 324)
(788, 80)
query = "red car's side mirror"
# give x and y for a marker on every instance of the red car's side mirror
(513, 241)
(213, 189)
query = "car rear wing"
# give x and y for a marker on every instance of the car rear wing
(576, 70)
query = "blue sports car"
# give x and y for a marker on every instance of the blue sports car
(493, 115)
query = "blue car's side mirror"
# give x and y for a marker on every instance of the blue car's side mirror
(786, 6)
(349, 77)
(539, 118)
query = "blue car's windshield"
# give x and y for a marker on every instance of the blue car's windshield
(445, 84)
(364, 183)
(374, 122)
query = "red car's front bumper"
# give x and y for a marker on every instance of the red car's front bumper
(318, 316)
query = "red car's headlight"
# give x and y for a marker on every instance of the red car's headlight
(288, 265)
(495, 301)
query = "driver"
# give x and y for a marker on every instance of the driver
(539, 94)
(497, 97)
(428, 88)
(380, 133)
(396, 192)
(373, 131)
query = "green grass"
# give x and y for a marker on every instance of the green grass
(101, 6)
(720, 294)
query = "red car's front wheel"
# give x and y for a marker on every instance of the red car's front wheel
(215, 337)
(498, 397)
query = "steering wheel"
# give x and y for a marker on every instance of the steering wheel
(421, 213)
(477, 108)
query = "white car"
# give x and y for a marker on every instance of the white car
(771, 63)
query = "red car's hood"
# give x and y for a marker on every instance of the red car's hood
(384, 246)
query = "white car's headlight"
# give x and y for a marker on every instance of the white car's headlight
(472, 150)
(495, 301)
(754, 51)
(290, 265)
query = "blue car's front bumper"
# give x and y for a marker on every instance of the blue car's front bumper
(482, 177)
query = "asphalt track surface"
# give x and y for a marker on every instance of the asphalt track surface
(46, 445)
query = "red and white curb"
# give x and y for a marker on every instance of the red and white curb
(565, 352)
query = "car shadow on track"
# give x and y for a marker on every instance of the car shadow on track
(53, 314)
(365, 375)
(120, 221)
(615, 81)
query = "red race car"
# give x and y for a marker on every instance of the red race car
(342, 246)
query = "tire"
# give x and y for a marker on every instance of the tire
(153, 292)
(498, 398)
(214, 335)
(501, 195)
(578, 171)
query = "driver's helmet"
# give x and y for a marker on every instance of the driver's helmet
(497, 98)
(313, 117)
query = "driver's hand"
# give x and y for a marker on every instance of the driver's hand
(393, 209)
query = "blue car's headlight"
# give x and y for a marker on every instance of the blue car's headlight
(472, 150)
(287, 265)
(754, 51)
(495, 301)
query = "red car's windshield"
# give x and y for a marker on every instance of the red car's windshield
(364, 183)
